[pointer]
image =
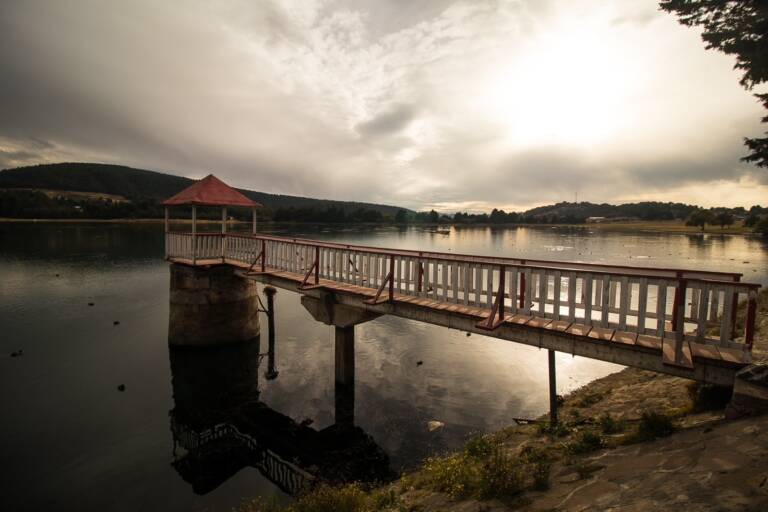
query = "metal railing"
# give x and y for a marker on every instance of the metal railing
(682, 304)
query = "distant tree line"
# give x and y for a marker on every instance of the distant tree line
(18, 203)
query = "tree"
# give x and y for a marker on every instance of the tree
(735, 27)
(700, 218)
(724, 218)
(433, 217)
(401, 217)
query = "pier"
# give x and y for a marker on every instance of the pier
(690, 323)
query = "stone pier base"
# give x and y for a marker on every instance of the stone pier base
(211, 306)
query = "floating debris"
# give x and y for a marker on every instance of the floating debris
(90, 303)
(121, 387)
(434, 425)
(469, 334)
(17, 353)
(116, 322)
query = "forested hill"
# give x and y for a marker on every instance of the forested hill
(145, 189)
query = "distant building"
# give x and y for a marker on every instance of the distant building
(595, 220)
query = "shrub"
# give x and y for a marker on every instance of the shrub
(501, 475)
(453, 475)
(651, 426)
(586, 441)
(347, 498)
(588, 399)
(559, 429)
(609, 425)
(478, 447)
(541, 472)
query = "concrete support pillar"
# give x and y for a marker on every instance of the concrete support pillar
(211, 306)
(552, 389)
(272, 372)
(345, 375)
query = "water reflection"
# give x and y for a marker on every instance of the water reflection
(220, 426)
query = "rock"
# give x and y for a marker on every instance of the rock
(569, 478)
(469, 334)
(90, 303)
(419, 363)
(121, 387)
(434, 425)
(17, 353)
(750, 392)
(306, 422)
(116, 322)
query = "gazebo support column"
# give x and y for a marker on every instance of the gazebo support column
(254, 220)
(194, 235)
(167, 230)
(223, 233)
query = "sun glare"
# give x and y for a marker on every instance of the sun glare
(567, 87)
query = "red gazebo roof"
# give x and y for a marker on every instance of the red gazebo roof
(210, 191)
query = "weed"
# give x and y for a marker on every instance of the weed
(347, 498)
(478, 447)
(533, 454)
(453, 475)
(610, 425)
(586, 441)
(559, 429)
(651, 426)
(501, 475)
(541, 472)
(590, 398)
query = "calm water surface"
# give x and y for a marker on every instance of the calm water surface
(70, 440)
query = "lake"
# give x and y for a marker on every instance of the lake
(70, 439)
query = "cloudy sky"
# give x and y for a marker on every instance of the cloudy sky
(444, 104)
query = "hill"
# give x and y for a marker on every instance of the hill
(143, 190)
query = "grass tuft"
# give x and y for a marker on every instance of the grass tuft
(610, 425)
(652, 425)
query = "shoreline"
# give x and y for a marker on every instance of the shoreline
(633, 227)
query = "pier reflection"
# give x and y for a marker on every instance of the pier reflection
(220, 426)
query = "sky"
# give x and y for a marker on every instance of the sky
(451, 105)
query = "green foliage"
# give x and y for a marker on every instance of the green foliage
(478, 447)
(541, 473)
(652, 425)
(591, 398)
(453, 475)
(501, 475)
(708, 397)
(610, 425)
(586, 441)
(700, 218)
(723, 219)
(146, 189)
(559, 429)
(738, 28)
(347, 498)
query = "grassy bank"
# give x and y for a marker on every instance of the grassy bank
(634, 439)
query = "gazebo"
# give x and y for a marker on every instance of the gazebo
(209, 191)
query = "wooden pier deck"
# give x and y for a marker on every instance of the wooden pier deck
(675, 321)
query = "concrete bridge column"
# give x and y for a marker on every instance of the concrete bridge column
(345, 375)
(211, 306)
(344, 319)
